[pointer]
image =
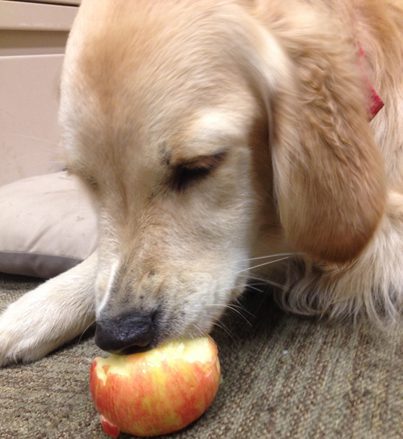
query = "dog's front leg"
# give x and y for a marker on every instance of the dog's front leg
(49, 316)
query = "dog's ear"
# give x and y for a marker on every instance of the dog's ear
(328, 172)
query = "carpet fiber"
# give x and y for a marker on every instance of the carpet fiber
(283, 377)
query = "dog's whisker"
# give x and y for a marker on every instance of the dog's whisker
(264, 264)
(271, 283)
(221, 326)
(198, 329)
(273, 255)
(243, 309)
(256, 289)
(85, 330)
(232, 308)
(260, 279)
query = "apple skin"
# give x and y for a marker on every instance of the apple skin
(109, 428)
(155, 392)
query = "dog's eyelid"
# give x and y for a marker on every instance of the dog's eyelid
(196, 169)
(206, 162)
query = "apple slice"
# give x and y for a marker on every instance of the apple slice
(155, 392)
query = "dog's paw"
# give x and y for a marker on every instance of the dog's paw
(25, 335)
(45, 318)
(21, 351)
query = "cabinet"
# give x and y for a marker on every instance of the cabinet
(32, 41)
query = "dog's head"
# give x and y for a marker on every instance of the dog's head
(196, 125)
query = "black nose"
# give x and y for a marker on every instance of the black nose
(126, 333)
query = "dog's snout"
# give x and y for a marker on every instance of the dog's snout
(126, 333)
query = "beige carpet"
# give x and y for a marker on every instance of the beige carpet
(284, 377)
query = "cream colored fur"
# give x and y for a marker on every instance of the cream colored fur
(270, 98)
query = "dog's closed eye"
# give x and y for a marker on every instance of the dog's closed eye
(192, 171)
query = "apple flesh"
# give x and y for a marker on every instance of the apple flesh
(155, 392)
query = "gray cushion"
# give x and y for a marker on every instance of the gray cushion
(47, 225)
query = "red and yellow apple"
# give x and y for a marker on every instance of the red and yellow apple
(155, 392)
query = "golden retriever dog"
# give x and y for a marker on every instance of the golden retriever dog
(218, 137)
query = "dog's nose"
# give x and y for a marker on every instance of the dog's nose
(126, 333)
